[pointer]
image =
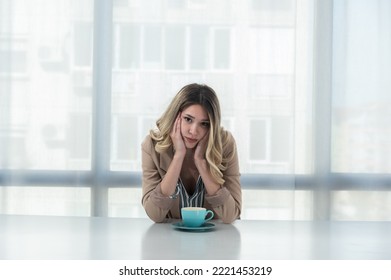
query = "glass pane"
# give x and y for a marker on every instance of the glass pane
(222, 49)
(124, 142)
(152, 43)
(281, 145)
(272, 42)
(12, 61)
(129, 46)
(176, 4)
(175, 47)
(273, 86)
(80, 126)
(258, 140)
(277, 205)
(361, 87)
(272, 4)
(45, 84)
(361, 206)
(48, 200)
(126, 203)
(82, 44)
(199, 48)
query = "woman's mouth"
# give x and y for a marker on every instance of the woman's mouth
(190, 140)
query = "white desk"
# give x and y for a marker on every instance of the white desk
(70, 238)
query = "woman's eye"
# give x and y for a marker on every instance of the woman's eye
(205, 124)
(187, 119)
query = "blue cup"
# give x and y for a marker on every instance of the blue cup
(195, 216)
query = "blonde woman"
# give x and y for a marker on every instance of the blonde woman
(190, 160)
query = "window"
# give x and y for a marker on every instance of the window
(272, 5)
(126, 138)
(13, 57)
(82, 44)
(360, 110)
(79, 136)
(129, 48)
(199, 47)
(152, 41)
(222, 49)
(259, 141)
(306, 97)
(270, 86)
(270, 140)
(175, 47)
(272, 42)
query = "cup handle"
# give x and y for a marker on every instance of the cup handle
(211, 215)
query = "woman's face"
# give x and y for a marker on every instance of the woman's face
(194, 125)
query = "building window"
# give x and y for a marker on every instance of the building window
(79, 136)
(82, 44)
(270, 140)
(13, 57)
(175, 47)
(221, 49)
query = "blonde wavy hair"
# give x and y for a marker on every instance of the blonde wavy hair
(205, 96)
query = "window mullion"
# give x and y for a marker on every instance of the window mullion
(322, 107)
(101, 111)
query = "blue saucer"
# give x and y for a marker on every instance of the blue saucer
(204, 227)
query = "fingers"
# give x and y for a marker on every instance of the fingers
(178, 123)
(201, 148)
(176, 136)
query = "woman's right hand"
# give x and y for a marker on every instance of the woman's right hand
(176, 137)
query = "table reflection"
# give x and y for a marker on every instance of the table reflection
(162, 241)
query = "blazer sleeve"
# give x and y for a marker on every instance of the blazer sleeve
(227, 202)
(156, 205)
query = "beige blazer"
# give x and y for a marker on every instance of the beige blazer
(226, 203)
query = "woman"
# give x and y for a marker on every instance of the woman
(190, 160)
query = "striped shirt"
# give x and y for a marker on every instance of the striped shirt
(194, 200)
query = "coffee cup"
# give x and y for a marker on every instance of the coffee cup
(195, 216)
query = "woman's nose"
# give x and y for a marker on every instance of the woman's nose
(193, 129)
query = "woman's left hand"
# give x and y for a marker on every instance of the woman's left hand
(199, 154)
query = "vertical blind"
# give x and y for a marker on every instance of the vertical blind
(303, 86)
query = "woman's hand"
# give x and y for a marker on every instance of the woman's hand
(199, 154)
(202, 166)
(169, 181)
(176, 137)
